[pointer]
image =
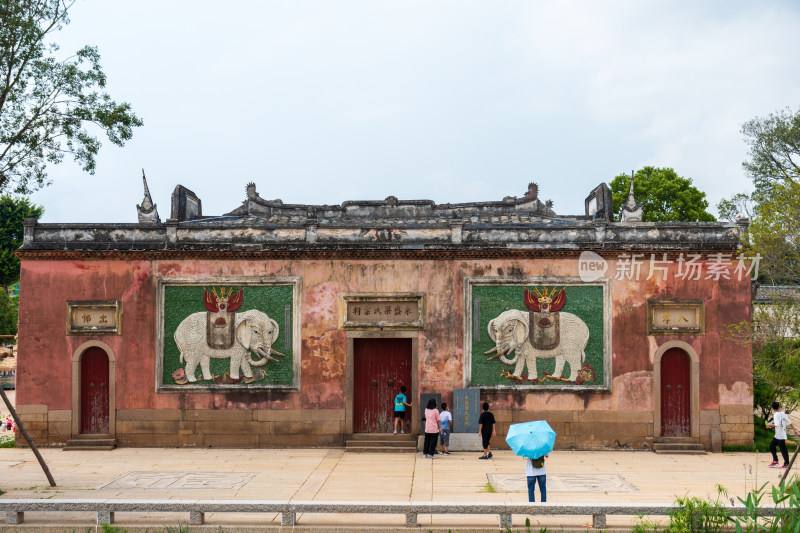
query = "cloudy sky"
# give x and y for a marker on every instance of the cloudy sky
(447, 100)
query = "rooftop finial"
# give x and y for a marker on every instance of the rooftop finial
(631, 210)
(148, 214)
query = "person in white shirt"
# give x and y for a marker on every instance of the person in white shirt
(780, 422)
(536, 472)
(446, 418)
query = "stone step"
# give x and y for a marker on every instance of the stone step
(69, 448)
(685, 446)
(670, 440)
(380, 449)
(381, 443)
(681, 452)
(91, 442)
(677, 446)
(383, 436)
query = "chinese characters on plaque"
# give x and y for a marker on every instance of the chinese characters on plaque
(93, 318)
(383, 311)
(387, 311)
(466, 410)
(675, 317)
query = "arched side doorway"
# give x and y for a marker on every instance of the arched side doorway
(93, 389)
(676, 391)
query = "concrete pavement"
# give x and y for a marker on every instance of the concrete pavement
(574, 477)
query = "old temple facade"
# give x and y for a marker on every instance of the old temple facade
(295, 325)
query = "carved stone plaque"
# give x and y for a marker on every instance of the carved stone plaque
(398, 311)
(672, 317)
(466, 410)
(94, 318)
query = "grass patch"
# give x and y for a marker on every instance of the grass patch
(762, 436)
(489, 487)
(7, 441)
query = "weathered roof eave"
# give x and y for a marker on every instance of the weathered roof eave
(574, 235)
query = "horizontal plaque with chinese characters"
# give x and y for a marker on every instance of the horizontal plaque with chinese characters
(94, 318)
(383, 310)
(675, 317)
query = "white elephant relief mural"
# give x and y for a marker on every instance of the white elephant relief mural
(255, 333)
(544, 332)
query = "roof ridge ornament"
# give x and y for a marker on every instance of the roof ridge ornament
(631, 210)
(148, 212)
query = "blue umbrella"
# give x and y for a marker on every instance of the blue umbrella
(531, 439)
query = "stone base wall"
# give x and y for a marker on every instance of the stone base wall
(46, 427)
(197, 428)
(736, 424)
(582, 430)
(585, 430)
(230, 429)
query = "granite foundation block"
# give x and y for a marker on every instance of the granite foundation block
(154, 427)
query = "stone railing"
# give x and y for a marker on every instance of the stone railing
(105, 509)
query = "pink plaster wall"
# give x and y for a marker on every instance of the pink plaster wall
(44, 372)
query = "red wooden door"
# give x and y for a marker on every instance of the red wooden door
(380, 368)
(94, 391)
(675, 414)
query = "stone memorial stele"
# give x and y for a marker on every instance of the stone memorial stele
(466, 409)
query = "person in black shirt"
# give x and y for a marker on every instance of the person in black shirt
(486, 429)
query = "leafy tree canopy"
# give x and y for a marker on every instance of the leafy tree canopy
(48, 105)
(774, 150)
(774, 233)
(8, 314)
(12, 212)
(774, 205)
(664, 196)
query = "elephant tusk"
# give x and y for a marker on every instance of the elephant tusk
(275, 352)
(490, 351)
(498, 354)
(265, 355)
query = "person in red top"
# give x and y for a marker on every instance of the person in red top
(433, 427)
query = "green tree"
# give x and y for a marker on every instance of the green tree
(50, 106)
(8, 314)
(774, 143)
(776, 351)
(774, 168)
(664, 196)
(12, 212)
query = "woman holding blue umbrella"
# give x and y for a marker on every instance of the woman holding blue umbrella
(536, 472)
(533, 441)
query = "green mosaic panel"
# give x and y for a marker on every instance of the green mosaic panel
(180, 301)
(586, 302)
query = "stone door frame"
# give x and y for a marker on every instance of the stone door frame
(350, 369)
(77, 356)
(694, 383)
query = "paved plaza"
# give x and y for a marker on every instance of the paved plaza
(574, 477)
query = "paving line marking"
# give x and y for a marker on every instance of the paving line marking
(180, 480)
(564, 483)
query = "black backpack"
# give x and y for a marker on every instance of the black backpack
(538, 463)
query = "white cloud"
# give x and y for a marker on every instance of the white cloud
(449, 101)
